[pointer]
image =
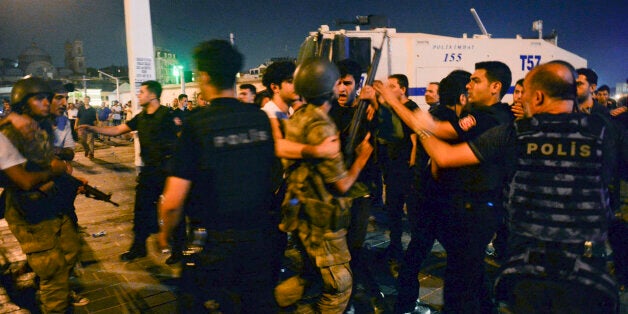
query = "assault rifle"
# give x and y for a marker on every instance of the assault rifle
(88, 190)
(359, 115)
(92, 192)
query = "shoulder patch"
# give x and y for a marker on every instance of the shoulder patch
(467, 123)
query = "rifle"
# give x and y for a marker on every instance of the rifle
(359, 115)
(91, 191)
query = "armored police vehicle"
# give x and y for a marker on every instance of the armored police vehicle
(428, 58)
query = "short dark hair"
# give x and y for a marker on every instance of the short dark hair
(181, 96)
(153, 87)
(250, 87)
(220, 60)
(434, 83)
(497, 72)
(402, 80)
(546, 79)
(589, 74)
(261, 95)
(604, 88)
(278, 72)
(452, 86)
(349, 67)
(519, 82)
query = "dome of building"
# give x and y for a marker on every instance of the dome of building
(33, 54)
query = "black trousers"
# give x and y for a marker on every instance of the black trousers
(233, 273)
(150, 184)
(464, 224)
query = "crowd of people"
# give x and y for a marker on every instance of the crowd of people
(266, 196)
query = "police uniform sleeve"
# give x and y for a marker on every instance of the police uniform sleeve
(132, 124)
(9, 155)
(185, 158)
(494, 143)
(473, 124)
(331, 169)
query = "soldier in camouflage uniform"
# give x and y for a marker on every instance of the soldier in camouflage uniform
(38, 220)
(315, 212)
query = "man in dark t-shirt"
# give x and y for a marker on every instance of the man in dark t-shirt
(86, 116)
(157, 134)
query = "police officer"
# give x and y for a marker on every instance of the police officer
(424, 220)
(214, 164)
(157, 133)
(40, 218)
(468, 198)
(558, 195)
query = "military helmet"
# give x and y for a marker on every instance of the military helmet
(315, 77)
(25, 88)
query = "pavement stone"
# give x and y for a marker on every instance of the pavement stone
(148, 285)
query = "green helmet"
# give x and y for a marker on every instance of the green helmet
(24, 89)
(315, 77)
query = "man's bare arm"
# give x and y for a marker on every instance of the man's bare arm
(363, 153)
(107, 130)
(27, 180)
(170, 207)
(446, 155)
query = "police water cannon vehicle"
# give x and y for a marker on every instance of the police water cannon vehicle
(428, 58)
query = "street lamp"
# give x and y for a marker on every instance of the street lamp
(178, 71)
(117, 83)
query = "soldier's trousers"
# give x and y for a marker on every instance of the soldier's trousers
(52, 247)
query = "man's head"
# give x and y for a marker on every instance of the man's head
(346, 87)
(31, 96)
(183, 100)
(431, 94)
(549, 88)
(278, 79)
(200, 101)
(59, 102)
(149, 91)
(489, 83)
(315, 79)
(262, 98)
(518, 92)
(586, 83)
(398, 83)
(247, 93)
(86, 101)
(217, 62)
(603, 94)
(452, 89)
(6, 106)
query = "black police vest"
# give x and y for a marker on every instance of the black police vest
(557, 201)
(558, 192)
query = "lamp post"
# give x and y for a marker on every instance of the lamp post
(182, 78)
(117, 83)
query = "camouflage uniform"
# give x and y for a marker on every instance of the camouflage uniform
(316, 218)
(43, 228)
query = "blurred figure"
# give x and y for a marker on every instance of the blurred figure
(517, 105)
(262, 98)
(431, 94)
(247, 93)
(86, 116)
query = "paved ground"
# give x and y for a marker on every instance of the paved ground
(147, 285)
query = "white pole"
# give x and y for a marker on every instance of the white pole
(139, 43)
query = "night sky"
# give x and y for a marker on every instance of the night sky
(595, 30)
